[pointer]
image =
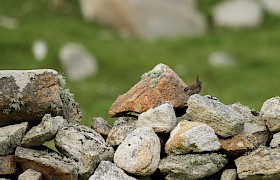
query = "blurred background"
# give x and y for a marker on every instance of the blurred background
(103, 47)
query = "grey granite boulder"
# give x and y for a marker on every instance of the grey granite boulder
(11, 136)
(192, 136)
(85, 146)
(45, 131)
(52, 165)
(238, 14)
(222, 118)
(161, 118)
(101, 126)
(191, 166)
(270, 113)
(139, 153)
(30, 174)
(254, 125)
(229, 174)
(275, 142)
(263, 163)
(122, 127)
(108, 170)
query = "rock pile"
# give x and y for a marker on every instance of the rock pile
(164, 130)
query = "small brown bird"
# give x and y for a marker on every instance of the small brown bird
(194, 88)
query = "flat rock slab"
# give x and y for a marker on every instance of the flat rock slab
(122, 127)
(85, 146)
(222, 118)
(11, 136)
(191, 166)
(263, 163)
(156, 87)
(8, 165)
(238, 144)
(45, 131)
(270, 113)
(161, 118)
(27, 95)
(101, 126)
(192, 137)
(108, 170)
(51, 165)
(30, 174)
(139, 153)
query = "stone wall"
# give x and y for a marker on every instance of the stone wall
(163, 130)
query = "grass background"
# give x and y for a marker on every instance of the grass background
(254, 79)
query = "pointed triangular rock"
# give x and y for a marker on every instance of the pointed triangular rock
(156, 87)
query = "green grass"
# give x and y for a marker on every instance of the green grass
(122, 61)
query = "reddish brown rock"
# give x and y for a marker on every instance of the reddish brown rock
(239, 144)
(51, 165)
(8, 165)
(156, 87)
(27, 95)
(101, 126)
(30, 174)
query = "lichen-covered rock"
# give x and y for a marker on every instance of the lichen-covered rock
(254, 125)
(27, 95)
(101, 126)
(51, 165)
(122, 127)
(8, 165)
(263, 163)
(45, 131)
(238, 144)
(222, 118)
(107, 170)
(275, 142)
(139, 153)
(191, 166)
(161, 118)
(156, 87)
(229, 174)
(30, 174)
(192, 136)
(85, 146)
(270, 113)
(11, 136)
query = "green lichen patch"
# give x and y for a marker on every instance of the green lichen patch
(154, 76)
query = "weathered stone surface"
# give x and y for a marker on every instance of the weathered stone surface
(272, 6)
(84, 145)
(263, 163)
(45, 131)
(156, 87)
(51, 165)
(101, 126)
(238, 14)
(8, 165)
(77, 62)
(238, 144)
(254, 125)
(139, 153)
(161, 118)
(122, 127)
(11, 136)
(192, 137)
(107, 170)
(275, 142)
(147, 19)
(270, 113)
(222, 118)
(229, 174)
(27, 95)
(191, 166)
(30, 174)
